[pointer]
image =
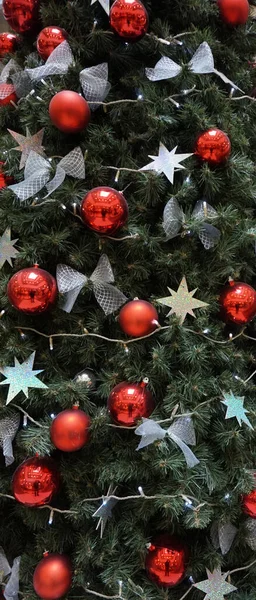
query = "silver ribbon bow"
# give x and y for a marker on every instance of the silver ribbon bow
(181, 432)
(70, 282)
(174, 220)
(11, 589)
(201, 63)
(223, 535)
(104, 512)
(95, 84)
(250, 535)
(10, 71)
(37, 173)
(8, 429)
(57, 64)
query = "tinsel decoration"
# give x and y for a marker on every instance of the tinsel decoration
(174, 220)
(8, 429)
(181, 432)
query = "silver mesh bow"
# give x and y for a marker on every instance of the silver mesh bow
(8, 72)
(95, 84)
(11, 589)
(250, 536)
(70, 282)
(57, 64)
(181, 432)
(223, 535)
(37, 173)
(174, 219)
(8, 429)
(201, 63)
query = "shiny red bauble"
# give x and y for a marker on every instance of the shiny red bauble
(234, 12)
(4, 179)
(69, 111)
(8, 43)
(238, 302)
(166, 560)
(7, 94)
(49, 38)
(35, 481)
(213, 145)
(129, 19)
(53, 576)
(22, 15)
(70, 429)
(138, 318)
(249, 502)
(32, 290)
(104, 210)
(129, 402)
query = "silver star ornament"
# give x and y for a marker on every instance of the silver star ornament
(235, 408)
(166, 162)
(182, 301)
(27, 143)
(21, 377)
(7, 250)
(103, 3)
(216, 586)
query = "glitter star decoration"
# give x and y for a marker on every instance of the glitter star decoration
(182, 301)
(235, 408)
(104, 512)
(27, 143)
(166, 162)
(7, 250)
(216, 586)
(21, 377)
(103, 3)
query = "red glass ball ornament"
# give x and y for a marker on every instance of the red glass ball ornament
(32, 290)
(129, 402)
(238, 302)
(70, 429)
(35, 481)
(4, 179)
(234, 12)
(69, 111)
(22, 15)
(49, 38)
(104, 210)
(166, 560)
(138, 318)
(249, 502)
(129, 19)
(53, 576)
(8, 43)
(7, 94)
(213, 145)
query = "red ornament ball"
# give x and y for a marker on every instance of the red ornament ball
(104, 210)
(4, 179)
(166, 560)
(53, 576)
(249, 502)
(129, 19)
(70, 429)
(32, 290)
(129, 402)
(7, 94)
(22, 15)
(49, 38)
(35, 481)
(138, 318)
(8, 43)
(69, 111)
(213, 145)
(234, 12)
(238, 302)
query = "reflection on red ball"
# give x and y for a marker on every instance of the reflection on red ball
(8, 43)
(35, 481)
(138, 318)
(104, 210)
(70, 429)
(7, 94)
(213, 145)
(49, 38)
(238, 302)
(129, 19)
(22, 15)
(129, 402)
(53, 576)
(234, 12)
(4, 179)
(69, 111)
(166, 560)
(32, 290)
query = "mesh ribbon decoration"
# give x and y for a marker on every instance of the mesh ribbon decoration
(20, 85)
(70, 282)
(174, 220)
(223, 535)
(11, 590)
(8, 429)
(95, 84)
(57, 64)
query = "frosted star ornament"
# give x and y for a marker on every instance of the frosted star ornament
(235, 408)
(216, 586)
(7, 250)
(166, 162)
(21, 377)
(182, 301)
(103, 3)
(27, 143)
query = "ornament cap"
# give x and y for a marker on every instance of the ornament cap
(75, 406)
(45, 553)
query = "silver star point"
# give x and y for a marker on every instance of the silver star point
(216, 586)
(235, 408)
(7, 250)
(182, 301)
(27, 143)
(166, 162)
(21, 377)
(103, 3)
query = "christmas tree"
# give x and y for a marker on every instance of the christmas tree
(127, 257)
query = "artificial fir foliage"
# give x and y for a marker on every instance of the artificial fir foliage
(192, 365)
